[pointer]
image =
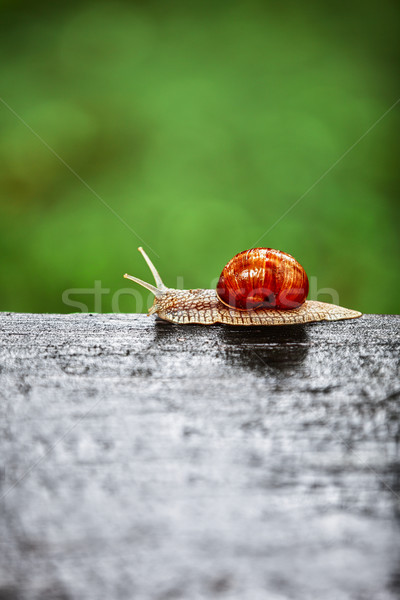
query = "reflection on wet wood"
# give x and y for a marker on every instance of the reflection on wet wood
(149, 460)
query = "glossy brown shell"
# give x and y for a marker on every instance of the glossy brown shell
(263, 278)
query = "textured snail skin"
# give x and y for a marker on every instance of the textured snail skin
(203, 307)
(263, 278)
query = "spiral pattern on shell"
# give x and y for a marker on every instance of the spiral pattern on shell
(263, 278)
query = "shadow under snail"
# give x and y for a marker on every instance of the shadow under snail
(260, 286)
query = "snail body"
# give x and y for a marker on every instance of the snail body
(262, 286)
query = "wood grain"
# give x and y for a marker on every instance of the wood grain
(145, 460)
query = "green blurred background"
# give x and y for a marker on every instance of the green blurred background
(199, 124)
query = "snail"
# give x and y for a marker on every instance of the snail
(260, 286)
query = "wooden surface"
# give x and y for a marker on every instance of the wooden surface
(140, 459)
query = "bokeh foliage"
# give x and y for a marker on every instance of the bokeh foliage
(199, 124)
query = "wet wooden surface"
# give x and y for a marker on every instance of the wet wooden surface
(140, 459)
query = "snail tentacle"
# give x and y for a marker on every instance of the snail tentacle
(144, 284)
(159, 282)
(157, 291)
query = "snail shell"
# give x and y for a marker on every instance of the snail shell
(263, 278)
(283, 278)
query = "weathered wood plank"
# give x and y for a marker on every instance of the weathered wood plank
(141, 459)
